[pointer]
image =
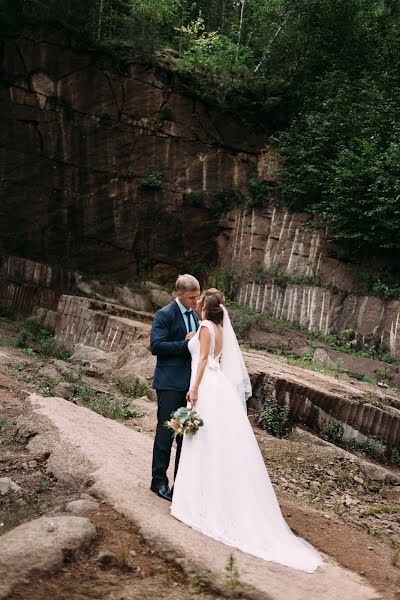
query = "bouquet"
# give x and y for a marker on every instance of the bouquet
(184, 421)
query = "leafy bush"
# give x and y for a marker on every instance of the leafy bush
(35, 338)
(133, 390)
(256, 193)
(275, 419)
(104, 113)
(395, 456)
(109, 406)
(152, 181)
(371, 446)
(334, 432)
(6, 312)
(104, 403)
(165, 113)
(194, 199)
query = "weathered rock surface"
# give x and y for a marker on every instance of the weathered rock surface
(119, 459)
(8, 486)
(39, 547)
(102, 325)
(82, 506)
(272, 242)
(317, 399)
(86, 134)
(92, 360)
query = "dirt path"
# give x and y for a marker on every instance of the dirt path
(144, 573)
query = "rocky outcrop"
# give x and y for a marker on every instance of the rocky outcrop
(101, 325)
(26, 284)
(106, 167)
(313, 398)
(283, 268)
(318, 400)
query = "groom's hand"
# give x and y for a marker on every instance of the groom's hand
(190, 335)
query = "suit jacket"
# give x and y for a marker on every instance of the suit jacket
(168, 343)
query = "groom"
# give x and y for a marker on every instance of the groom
(173, 327)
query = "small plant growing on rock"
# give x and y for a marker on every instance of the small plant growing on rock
(232, 578)
(6, 312)
(33, 337)
(371, 446)
(274, 419)
(334, 432)
(152, 181)
(104, 113)
(194, 199)
(133, 390)
(165, 113)
(395, 456)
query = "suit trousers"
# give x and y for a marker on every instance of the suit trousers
(168, 402)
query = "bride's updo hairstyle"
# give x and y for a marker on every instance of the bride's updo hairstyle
(211, 300)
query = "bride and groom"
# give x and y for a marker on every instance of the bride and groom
(222, 487)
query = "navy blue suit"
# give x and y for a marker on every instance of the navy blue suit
(171, 380)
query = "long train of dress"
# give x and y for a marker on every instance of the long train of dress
(222, 487)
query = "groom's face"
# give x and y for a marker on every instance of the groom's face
(189, 299)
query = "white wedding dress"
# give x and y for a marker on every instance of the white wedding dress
(222, 488)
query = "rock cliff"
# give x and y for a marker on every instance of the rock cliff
(284, 267)
(106, 167)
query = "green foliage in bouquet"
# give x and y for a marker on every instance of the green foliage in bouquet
(184, 421)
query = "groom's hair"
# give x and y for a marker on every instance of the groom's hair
(187, 283)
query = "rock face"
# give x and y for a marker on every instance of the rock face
(93, 174)
(286, 271)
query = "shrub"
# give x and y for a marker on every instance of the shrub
(395, 456)
(165, 113)
(34, 337)
(256, 194)
(334, 432)
(104, 113)
(194, 199)
(133, 390)
(6, 312)
(152, 181)
(275, 419)
(371, 446)
(109, 406)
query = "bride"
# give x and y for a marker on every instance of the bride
(222, 488)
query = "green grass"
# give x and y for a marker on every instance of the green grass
(379, 509)
(133, 390)
(104, 403)
(37, 340)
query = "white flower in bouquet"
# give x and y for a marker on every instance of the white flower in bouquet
(184, 421)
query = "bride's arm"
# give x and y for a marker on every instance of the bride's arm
(205, 338)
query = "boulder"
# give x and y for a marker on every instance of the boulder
(8, 486)
(40, 547)
(82, 506)
(62, 390)
(49, 371)
(93, 360)
(158, 295)
(132, 299)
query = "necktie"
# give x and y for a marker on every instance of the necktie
(189, 314)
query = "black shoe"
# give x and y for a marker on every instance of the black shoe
(162, 490)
